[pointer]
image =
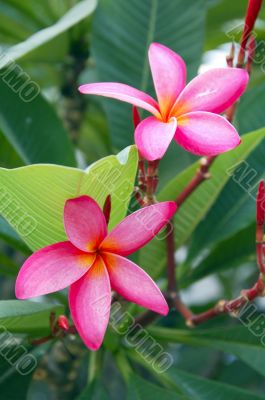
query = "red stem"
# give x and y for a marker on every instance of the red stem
(201, 175)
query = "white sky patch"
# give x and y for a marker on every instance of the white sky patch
(208, 289)
(216, 58)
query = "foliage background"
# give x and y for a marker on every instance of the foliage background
(108, 40)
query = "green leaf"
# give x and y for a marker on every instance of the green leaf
(17, 365)
(94, 391)
(196, 206)
(140, 389)
(250, 113)
(29, 317)
(235, 208)
(194, 387)
(229, 253)
(11, 237)
(239, 341)
(197, 388)
(7, 266)
(76, 14)
(8, 156)
(32, 198)
(236, 205)
(32, 127)
(120, 45)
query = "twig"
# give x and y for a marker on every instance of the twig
(201, 175)
(151, 181)
(251, 16)
(229, 307)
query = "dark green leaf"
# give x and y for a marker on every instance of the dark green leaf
(140, 389)
(94, 391)
(230, 253)
(197, 388)
(32, 127)
(239, 341)
(27, 316)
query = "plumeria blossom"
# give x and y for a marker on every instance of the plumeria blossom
(187, 114)
(92, 262)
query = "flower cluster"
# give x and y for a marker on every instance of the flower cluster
(92, 261)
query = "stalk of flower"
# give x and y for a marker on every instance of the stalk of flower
(251, 16)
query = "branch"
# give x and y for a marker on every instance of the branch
(230, 307)
(201, 175)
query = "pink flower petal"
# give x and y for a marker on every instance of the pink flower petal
(134, 284)
(138, 228)
(122, 92)
(214, 90)
(206, 134)
(152, 137)
(84, 223)
(169, 75)
(52, 268)
(90, 301)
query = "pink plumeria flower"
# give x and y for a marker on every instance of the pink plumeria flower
(92, 262)
(188, 114)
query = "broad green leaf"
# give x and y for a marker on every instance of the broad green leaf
(17, 365)
(120, 44)
(250, 113)
(94, 140)
(15, 24)
(197, 388)
(229, 253)
(239, 341)
(8, 156)
(32, 198)
(140, 389)
(7, 266)
(194, 387)
(32, 127)
(196, 206)
(94, 391)
(76, 14)
(235, 208)
(11, 237)
(25, 17)
(29, 317)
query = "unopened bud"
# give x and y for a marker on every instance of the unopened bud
(63, 323)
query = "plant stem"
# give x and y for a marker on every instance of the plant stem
(230, 307)
(151, 181)
(95, 364)
(201, 175)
